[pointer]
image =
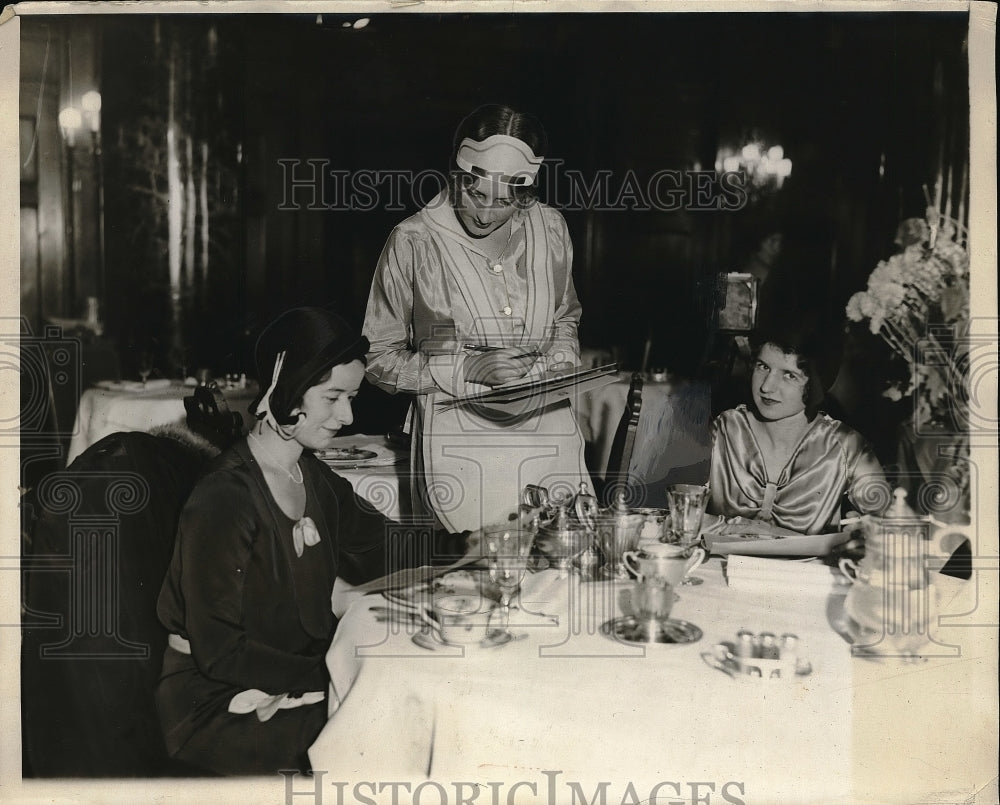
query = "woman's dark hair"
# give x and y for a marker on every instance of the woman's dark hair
(808, 349)
(491, 119)
(314, 341)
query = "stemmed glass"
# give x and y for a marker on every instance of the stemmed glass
(507, 553)
(145, 366)
(687, 508)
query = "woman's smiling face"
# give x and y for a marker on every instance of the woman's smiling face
(326, 407)
(778, 384)
(482, 206)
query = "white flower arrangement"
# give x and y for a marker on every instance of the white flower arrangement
(913, 299)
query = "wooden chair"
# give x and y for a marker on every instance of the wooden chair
(617, 476)
(209, 416)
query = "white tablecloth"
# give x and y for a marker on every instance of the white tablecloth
(568, 699)
(105, 411)
(566, 711)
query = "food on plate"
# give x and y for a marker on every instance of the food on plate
(345, 454)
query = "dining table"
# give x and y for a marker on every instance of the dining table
(567, 712)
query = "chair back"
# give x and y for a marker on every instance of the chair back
(209, 416)
(619, 461)
(92, 646)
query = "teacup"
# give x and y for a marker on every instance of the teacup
(655, 525)
(664, 560)
(463, 619)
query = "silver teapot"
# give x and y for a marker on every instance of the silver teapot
(564, 530)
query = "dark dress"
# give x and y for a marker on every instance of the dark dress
(256, 616)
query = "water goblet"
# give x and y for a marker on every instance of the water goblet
(507, 555)
(653, 598)
(145, 366)
(617, 534)
(687, 508)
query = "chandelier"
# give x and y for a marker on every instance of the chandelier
(765, 166)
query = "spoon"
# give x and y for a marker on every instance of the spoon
(718, 665)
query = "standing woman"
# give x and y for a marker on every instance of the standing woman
(267, 530)
(476, 291)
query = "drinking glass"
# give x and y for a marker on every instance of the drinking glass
(145, 366)
(652, 598)
(507, 553)
(618, 534)
(687, 508)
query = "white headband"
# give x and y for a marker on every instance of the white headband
(265, 401)
(504, 159)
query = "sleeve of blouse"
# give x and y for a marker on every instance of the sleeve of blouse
(217, 531)
(394, 364)
(371, 545)
(866, 479)
(566, 319)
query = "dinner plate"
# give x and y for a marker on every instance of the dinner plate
(456, 582)
(344, 457)
(751, 543)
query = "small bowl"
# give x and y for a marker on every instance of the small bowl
(655, 525)
(463, 619)
(560, 547)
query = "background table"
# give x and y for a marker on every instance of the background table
(672, 443)
(386, 487)
(105, 411)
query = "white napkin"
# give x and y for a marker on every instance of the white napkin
(779, 576)
(266, 705)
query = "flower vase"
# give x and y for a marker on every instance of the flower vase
(934, 470)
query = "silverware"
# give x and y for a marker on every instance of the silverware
(718, 665)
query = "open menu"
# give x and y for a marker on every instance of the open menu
(540, 391)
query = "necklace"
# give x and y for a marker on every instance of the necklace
(497, 264)
(278, 464)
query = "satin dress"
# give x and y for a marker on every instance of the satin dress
(831, 460)
(435, 291)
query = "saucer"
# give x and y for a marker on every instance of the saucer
(631, 630)
(432, 641)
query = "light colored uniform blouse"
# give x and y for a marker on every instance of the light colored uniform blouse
(830, 460)
(434, 291)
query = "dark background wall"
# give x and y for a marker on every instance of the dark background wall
(863, 105)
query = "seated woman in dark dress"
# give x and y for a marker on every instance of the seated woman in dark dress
(782, 461)
(262, 538)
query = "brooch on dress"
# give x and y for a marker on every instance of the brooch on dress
(304, 532)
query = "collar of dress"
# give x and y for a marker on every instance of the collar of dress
(441, 217)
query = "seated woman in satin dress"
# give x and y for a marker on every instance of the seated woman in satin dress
(267, 530)
(783, 462)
